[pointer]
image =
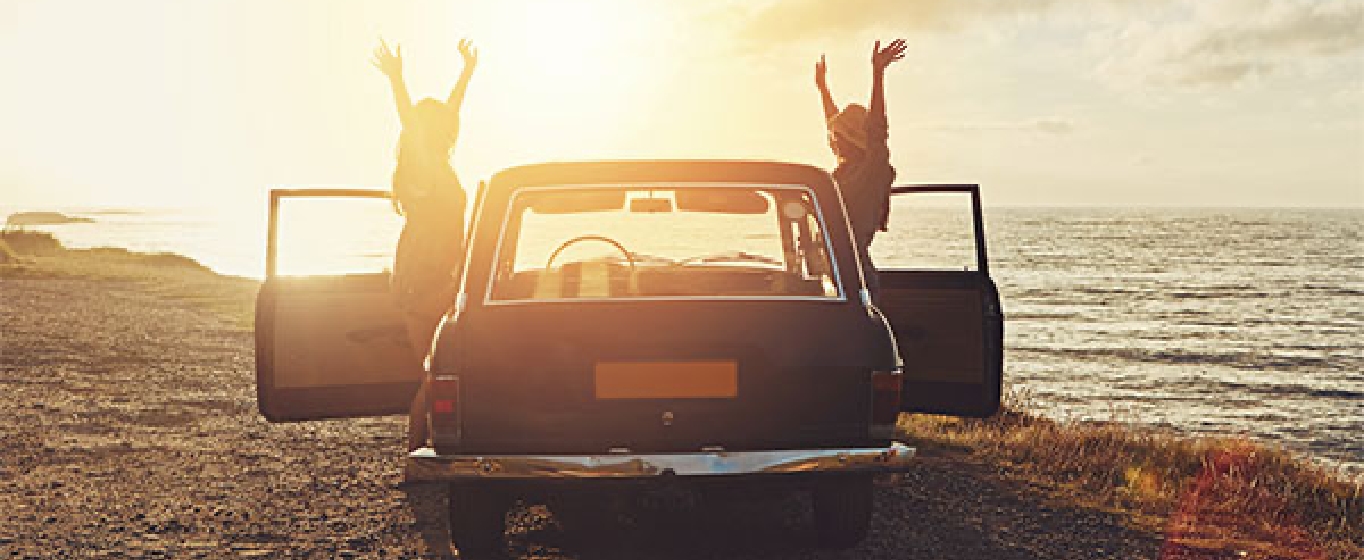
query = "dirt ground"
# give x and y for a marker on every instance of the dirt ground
(130, 431)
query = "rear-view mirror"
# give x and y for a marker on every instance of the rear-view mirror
(651, 205)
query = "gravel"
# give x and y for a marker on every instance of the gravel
(130, 431)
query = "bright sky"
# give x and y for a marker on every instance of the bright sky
(1056, 102)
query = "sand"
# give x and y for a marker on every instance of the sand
(130, 431)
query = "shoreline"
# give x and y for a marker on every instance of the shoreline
(129, 263)
(1143, 476)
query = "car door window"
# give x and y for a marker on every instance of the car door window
(329, 341)
(928, 231)
(331, 236)
(942, 306)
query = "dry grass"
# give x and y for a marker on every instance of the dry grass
(7, 255)
(1212, 497)
(27, 242)
(169, 275)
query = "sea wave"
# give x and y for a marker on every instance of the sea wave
(1335, 291)
(1241, 360)
(1148, 308)
(1291, 390)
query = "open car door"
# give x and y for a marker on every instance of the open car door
(942, 305)
(329, 341)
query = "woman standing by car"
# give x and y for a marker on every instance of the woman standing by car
(426, 191)
(858, 136)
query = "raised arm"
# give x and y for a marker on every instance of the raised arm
(830, 108)
(470, 54)
(391, 64)
(880, 59)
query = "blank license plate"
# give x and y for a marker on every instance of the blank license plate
(712, 379)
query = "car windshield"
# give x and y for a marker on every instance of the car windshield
(664, 241)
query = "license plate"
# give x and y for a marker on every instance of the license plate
(709, 379)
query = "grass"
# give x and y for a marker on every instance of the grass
(174, 277)
(7, 255)
(1211, 497)
(20, 241)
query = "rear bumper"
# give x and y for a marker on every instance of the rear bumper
(425, 465)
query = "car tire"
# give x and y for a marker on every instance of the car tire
(478, 520)
(585, 519)
(842, 511)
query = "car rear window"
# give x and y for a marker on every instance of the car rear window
(663, 241)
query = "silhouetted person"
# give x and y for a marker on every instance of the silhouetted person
(858, 138)
(427, 193)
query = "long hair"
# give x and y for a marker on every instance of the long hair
(423, 150)
(847, 131)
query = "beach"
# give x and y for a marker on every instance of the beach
(131, 431)
(1221, 322)
(1132, 232)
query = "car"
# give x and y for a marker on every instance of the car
(633, 323)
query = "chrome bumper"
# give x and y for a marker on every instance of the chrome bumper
(425, 465)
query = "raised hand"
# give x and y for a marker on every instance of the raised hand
(881, 58)
(821, 71)
(470, 54)
(388, 62)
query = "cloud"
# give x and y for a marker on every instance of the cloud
(785, 21)
(1045, 125)
(1053, 126)
(1164, 42)
(793, 20)
(1224, 43)
(1319, 27)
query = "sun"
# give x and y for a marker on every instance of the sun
(572, 41)
(577, 73)
(582, 44)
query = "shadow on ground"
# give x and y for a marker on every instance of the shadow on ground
(944, 509)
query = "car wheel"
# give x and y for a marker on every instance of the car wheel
(585, 519)
(842, 509)
(478, 519)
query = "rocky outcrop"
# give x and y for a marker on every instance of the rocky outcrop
(44, 219)
(7, 255)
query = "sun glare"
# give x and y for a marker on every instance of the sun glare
(574, 72)
(572, 41)
(330, 236)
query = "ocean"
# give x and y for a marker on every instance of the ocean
(1208, 321)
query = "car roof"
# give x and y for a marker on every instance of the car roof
(719, 172)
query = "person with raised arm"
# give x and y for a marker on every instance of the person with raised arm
(427, 193)
(858, 136)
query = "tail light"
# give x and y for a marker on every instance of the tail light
(885, 400)
(443, 402)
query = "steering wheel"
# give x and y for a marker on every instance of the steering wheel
(628, 257)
